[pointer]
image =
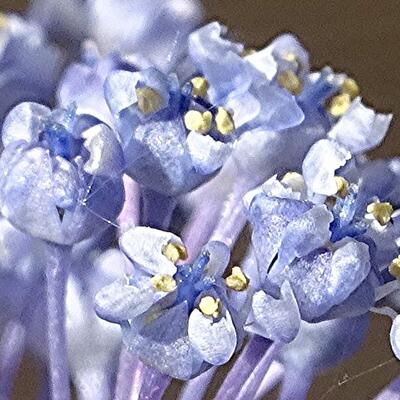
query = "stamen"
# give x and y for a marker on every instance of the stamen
(339, 104)
(342, 186)
(163, 283)
(382, 212)
(175, 252)
(3, 20)
(200, 86)
(210, 306)
(290, 81)
(294, 180)
(350, 87)
(394, 268)
(149, 100)
(237, 281)
(224, 121)
(197, 121)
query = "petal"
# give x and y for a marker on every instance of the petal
(123, 300)
(144, 246)
(395, 337)
(106, 156)
(303, 235)
(275, 319)
(215, 341)
(269, 217)
(320, 164)
(207, 154)
(24, 122)
(324, 279)
(163, 343)
(360, 129)
(220, 255)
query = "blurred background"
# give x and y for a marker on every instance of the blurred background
(361, 37)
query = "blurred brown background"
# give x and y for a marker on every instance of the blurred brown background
(362, 38)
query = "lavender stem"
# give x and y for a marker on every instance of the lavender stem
(129, 364)
(12, 346)
(154, 385)
(243, 368)
(196, 388)
(271, 379)
(250, 387)
(56, 275)
(296, 385)
(130, 213)
(92, 384)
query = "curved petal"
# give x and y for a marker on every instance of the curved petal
(106, 156)
(275, 319)
(24, 122)
(207, 154)
(360, 129)
(124, 300)
(215, 341)
(144, 246)
(395, 337)
(320, 164)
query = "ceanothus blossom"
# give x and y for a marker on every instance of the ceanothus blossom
(176, 318)
(316, 261)
(60, 172)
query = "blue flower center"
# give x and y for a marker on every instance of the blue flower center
(192, 281)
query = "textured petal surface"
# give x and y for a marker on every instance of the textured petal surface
(215, 341)
(144, 247)
(320, 164)
(360, 129)
(275, 319)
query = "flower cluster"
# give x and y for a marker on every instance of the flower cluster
(128, 176)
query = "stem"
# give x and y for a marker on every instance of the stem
(12, 346)
(56, 275)
(196, 388)
(128, 378)
(271, 379)
(250, 387)
(154, 385)
(242, 368)
(130, 213)
(157, 209)
(296, 385)
(390, 392)
(92, 384)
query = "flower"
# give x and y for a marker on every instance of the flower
(61, 174)
(176, 318)
(316, 261)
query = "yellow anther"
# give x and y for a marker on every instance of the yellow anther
(224, 121)
(210, 306)
(290, 81)
(394, 268)
(148, 100)
(197, 121)
(3, 20)
(294, 180)
(237, 281)
(163, 283)
(382, 212)
(342, 186)
(290, 57)
(175, 252)
(200, 86)
(339, 104)
(350, 87)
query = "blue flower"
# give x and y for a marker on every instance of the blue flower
(315, 261)
(29, 66)
(176, 318)
(61, 177)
